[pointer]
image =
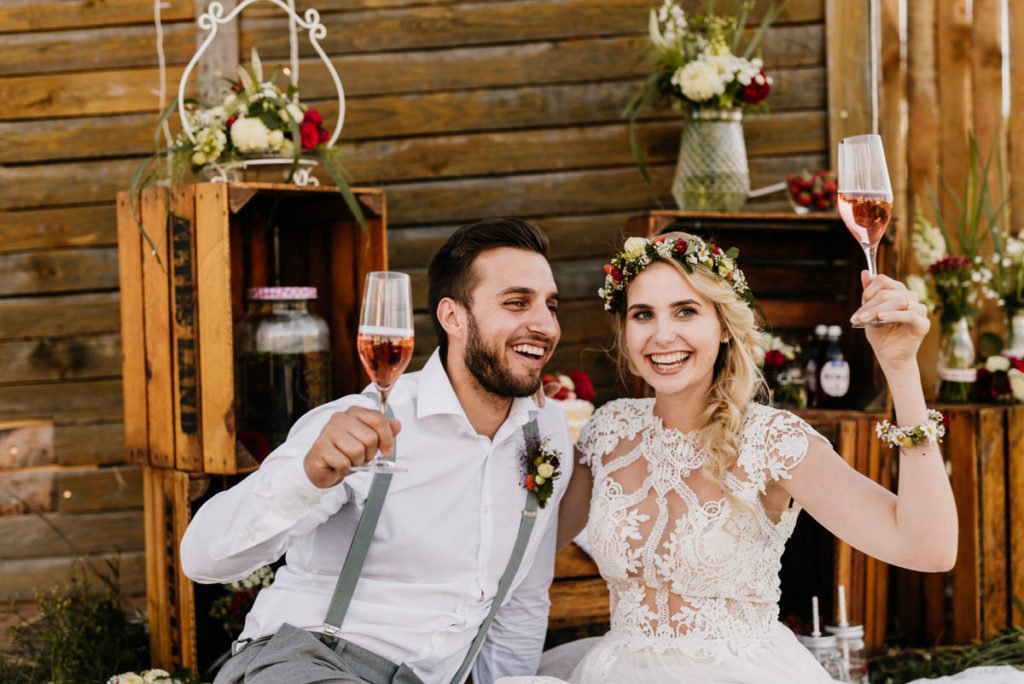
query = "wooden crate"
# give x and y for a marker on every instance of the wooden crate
(804, 271)
(180, 301)
(984, 452)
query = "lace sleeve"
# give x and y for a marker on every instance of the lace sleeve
(602, 432)
(781, 443)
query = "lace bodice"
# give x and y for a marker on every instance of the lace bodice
(688, 568)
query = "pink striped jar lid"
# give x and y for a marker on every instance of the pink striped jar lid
(280, 293)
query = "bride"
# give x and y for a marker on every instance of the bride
(693, 494)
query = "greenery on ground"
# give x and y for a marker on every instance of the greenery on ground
(83, 634)
(906, 665)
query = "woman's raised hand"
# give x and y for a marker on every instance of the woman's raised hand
(904, 320)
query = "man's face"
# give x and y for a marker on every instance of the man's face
(512, 321)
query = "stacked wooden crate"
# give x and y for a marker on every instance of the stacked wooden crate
(182, 292)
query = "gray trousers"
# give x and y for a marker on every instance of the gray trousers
(295, 656)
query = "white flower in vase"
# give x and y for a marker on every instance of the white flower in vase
(250, 135)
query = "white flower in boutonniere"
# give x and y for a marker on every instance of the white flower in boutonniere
(542, 469)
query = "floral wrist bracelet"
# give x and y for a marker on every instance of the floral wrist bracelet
(929, 432)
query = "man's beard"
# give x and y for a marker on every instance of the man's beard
(485, 365)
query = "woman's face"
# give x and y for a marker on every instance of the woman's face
(672, 332)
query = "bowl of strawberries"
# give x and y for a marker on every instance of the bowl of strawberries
(811, 191)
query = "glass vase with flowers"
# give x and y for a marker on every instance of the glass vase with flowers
(701, 68)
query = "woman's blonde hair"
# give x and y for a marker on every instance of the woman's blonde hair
(737, 380)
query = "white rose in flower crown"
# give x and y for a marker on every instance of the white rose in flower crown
(634, 247)
(1016, 378)
(250, 135)
(997, 363)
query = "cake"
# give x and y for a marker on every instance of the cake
(573, 394)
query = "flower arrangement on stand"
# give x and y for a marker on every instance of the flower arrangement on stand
(254, 122)
(700, 68)
(782, 372)
(952, 287)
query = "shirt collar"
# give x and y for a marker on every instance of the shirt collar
(436, 396)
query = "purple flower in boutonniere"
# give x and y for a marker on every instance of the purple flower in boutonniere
(542, 469)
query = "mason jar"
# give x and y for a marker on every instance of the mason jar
(825, 649)
(282, 365)
(850, 641)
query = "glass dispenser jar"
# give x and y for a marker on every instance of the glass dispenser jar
(282, 365)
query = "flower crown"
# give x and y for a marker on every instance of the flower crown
(639, 253)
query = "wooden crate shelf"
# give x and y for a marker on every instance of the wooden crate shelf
(181, 300)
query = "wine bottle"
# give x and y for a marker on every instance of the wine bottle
(833, 372)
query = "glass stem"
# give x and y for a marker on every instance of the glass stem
(383, 406)
(871, 254)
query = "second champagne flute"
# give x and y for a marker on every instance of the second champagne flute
(865, 195)
(385, 341)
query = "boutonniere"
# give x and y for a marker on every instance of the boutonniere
(542, 469)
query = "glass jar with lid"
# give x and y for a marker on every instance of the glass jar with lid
(850, 641)
(825, 649)
(282, 365)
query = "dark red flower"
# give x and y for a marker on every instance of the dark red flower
(313, 117)
(1017, 363)
(310, 135)
(773, 358)
(757, 90)
(325, 135)
(584, 386)
(681, 246)
(231, 120)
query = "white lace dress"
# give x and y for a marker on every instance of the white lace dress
(693, 577)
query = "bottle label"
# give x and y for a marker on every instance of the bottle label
(958, 374)
(835, 378)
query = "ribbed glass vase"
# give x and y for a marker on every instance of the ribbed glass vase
(712, 174)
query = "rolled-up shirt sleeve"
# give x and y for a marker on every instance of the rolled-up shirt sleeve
(514, 644)
(250, 525)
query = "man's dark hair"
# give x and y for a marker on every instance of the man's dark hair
(451, 269)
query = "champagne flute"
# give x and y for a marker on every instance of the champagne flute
(865, 195)
(385, 341)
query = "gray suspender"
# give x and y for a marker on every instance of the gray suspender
(345, 587)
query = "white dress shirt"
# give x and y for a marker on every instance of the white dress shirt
(443, 540)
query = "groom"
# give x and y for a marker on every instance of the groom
(449, 521)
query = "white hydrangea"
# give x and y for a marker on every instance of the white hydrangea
(699, 80)
(210, 142)
(929, 245)
(996, 363)
(250, 135)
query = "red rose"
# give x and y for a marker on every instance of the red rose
(681, 246)
(584, 387)
(1017, 363)
(529, 483)
(774, 359)
(310, 135)
(325, 135)
(561, 394)
(312, 116)
(757, 90)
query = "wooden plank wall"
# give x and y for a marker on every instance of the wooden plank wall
(459, 110)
